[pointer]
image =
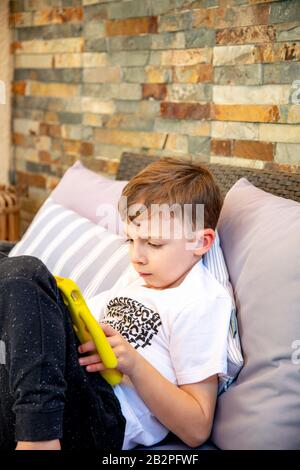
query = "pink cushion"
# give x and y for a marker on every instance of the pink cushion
(91, 195)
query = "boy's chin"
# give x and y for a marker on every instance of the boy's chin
(159, 286)
(152, 284)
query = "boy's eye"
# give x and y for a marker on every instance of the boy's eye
(129, 240)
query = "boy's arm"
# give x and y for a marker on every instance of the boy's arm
(186, 410)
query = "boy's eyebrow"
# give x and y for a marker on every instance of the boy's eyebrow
(145, 238)
(149, 237)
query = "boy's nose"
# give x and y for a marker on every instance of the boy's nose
(137, 256)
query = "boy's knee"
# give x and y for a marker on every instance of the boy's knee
(26, 279)
(26, 267)
(20, 266)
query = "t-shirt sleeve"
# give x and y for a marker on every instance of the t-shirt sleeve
(198, 340)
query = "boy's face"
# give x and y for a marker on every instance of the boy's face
(160, 252)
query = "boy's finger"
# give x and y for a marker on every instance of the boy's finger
(87, 347)
(92, 359)
(99, 367)
(108, 330)
(114, 340)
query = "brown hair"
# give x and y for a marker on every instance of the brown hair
(171, 180)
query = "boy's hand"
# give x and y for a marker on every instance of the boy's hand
(41, 445)
(126, 355)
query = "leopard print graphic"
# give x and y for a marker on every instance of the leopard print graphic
(136, 323)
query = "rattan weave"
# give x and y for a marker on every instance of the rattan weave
(279, 183)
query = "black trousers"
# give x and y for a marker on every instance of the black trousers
(44, 393)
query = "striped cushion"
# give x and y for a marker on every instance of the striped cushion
(72, 246)
(215, 263)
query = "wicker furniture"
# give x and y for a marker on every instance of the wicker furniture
(9, 214)
(275, 182)
(281, 184)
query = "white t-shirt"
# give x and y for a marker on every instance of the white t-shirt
(182, 331)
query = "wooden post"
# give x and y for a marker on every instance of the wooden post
(6, 71)
(9, 214)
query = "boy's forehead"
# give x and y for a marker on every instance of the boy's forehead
(159, 226)
(162, 221)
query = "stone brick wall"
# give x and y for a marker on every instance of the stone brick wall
(203, 79)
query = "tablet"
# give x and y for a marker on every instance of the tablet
(87, 328)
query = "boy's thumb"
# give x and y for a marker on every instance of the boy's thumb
(107, 329)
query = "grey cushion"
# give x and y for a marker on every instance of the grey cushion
(260, 235)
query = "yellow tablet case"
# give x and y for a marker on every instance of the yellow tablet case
(87, 328)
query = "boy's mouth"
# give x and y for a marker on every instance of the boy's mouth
(145, 274)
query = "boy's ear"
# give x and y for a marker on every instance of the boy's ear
(205, 239)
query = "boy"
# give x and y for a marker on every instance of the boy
(168, 324)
